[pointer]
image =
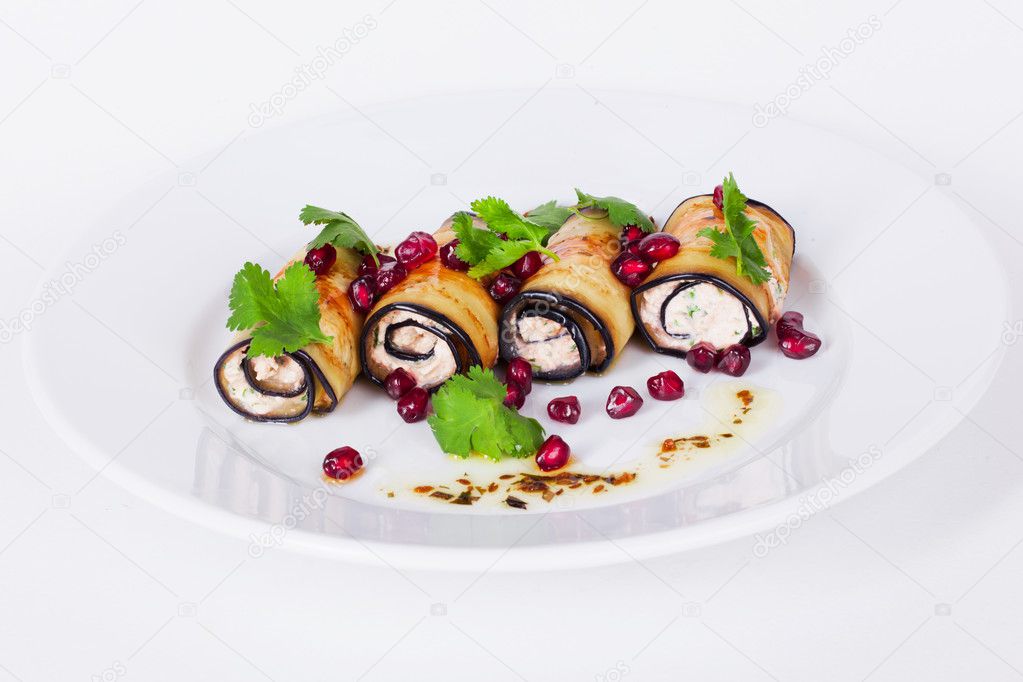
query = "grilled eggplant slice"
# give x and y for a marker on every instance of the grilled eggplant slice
(694, 297)
(290, 387)
(573, 315)
(434, 324)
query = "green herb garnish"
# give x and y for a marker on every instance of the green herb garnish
(284, 315)
(484, 250)
(550, 215)
(339, 230)
(619, 211)
(736, 240)
(470, 417)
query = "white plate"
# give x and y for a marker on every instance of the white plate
(898, 282)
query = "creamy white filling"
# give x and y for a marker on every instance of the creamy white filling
(429, 372)
(248, 399)
(702, 312)
(545, 344)
(283, 374)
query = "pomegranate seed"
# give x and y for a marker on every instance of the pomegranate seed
(702, 357)
(630, 233)
(632, 248)
(800, 346)
(521, 372)
(320, 260)
(412, 406)
(398, 383)
(794, 341)
(553, 454)
(389, 274)
(362, 293)
(666, 386)
(564, 409)
(630, 270)
(504, 287)
(719, 197)
(515, 396)
(622, 402)
(789, 322)
(734, 360)
(417, 248)
(658, 246)
(342, 464)
(368, 267)
(527, 266)
(450, 258)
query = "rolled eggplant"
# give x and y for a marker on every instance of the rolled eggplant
(289, 387)
(573, 314)
(694, 297)
(435, 323)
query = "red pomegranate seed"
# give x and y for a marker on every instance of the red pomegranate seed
(412, 406)
(389, 274)
(632, 248)
(794, 341)
(622, 402)
(666, 386)
(630, 270)
(630, 233)
(504, 287)
(342, 464)
(449, 257)
(368, 267)
(702, 357)
(526, 267)
(399, 382)
(521, 372)
(515, 396)
(564, 410)
(320, 260)
(553, 454)
(362, 293)
(719, 197)
(734, 360)
(658, 246)
(417, 248)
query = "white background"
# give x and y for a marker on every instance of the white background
(918, 578)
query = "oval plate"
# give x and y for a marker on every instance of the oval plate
(124, 373)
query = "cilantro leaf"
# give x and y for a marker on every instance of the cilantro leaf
(338, 229)
(284, 316)
(550, 215)
(736, 240)
(473, 244)
(485, 251)
(470, 417)
(619, 211)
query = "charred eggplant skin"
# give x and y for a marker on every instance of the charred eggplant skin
(749, 340)
(455, 340)
(749, 202)
(321, 382)
(552, 302)
(301, 358)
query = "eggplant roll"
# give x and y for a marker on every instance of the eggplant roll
(694, 297)
(434, 324)
(573, 314)
(289, 387)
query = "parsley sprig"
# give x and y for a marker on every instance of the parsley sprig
(284, 315)
(736, 240)
(339, 229)
(485, 250)
(619, 211)
(470, 417)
